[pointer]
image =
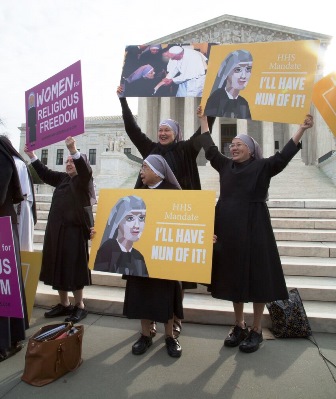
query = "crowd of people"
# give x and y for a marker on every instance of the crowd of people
(246, 265)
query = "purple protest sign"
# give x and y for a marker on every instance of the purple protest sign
(10, 294)
(54, 108)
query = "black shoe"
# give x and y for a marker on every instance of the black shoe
(141, 345)
(173, 347)
(59, 310)
(6, 354)
(77, 315)
(236, 336)
(252, 342)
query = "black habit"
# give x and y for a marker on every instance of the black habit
(153, 298)
(246, 262)
(65, 249)
(12, 329)
(181, 156)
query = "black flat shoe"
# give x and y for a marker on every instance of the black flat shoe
(173, 347)
(6, 354)
(236, 336)
(59, 310)
(252, 342)
(141, 345)
(77, 315)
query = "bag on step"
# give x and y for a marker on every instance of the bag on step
(289, 318)
(53, 351)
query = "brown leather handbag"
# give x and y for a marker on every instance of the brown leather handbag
(53, 351)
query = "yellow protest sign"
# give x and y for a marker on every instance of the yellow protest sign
(31, 267)
(271, 81)
(169, 233)
(324, 99)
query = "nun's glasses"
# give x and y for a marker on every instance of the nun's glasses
(237, 145)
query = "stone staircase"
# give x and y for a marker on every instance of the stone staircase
(305, 230)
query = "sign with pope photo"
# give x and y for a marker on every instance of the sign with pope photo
(164, 234)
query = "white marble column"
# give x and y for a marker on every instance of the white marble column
(242, 126)
(167, 108)
(216, 133)
(148, 116)
(189, 117)
(267, 139)
(292, 129)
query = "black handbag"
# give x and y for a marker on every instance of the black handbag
(289, 318)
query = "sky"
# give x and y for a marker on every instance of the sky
(39, 38)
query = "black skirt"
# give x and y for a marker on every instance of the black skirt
(152, 299)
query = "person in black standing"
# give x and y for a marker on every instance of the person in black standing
(12, 329)
(157, 299)
(180, 155)
(246, 263)
(65, 247)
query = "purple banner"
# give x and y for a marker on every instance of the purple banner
(54, 108)
(10, 294)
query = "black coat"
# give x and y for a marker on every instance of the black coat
(65, 248)
(246, 262)
(12, 329)
(180, 156)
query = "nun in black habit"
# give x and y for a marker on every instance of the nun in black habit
(12, 329)
(181, 156)
(65, 247)
(152, 298)
(246, 262)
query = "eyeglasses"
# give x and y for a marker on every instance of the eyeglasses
(144, 168)
(237, 145)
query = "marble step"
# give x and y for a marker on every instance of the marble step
(305, 248)
(310, 235)
(286, 248)
(303, 203)
(302, 213)
(304, 223)
(311, 288)
(308, 266)
(198, 308)
(277, 222)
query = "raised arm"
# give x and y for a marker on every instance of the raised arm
(203, 120)
(138, 138)
(307, 124)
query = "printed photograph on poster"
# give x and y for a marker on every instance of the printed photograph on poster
(324, 99)
(164, 234)
(165, 70)
(271, 81)
(54, 108)
(10, 294)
